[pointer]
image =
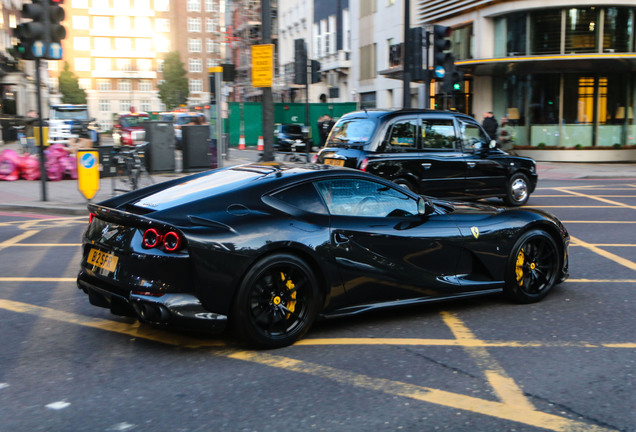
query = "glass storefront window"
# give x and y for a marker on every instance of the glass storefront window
(462, 42)
(618, 30)
(580, 30)
(517, 35)
(545, 28)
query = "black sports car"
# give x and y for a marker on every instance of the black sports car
(270, 247)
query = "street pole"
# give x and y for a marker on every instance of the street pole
(41, 127)
(406, 72)
(268, 102)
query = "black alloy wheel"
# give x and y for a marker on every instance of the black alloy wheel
(277, 302)
(517, 191)
(533, 267)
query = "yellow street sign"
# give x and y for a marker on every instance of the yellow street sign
(45, 135)
(88, 172)
(262, 65)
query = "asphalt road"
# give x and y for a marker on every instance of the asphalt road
(565, 364)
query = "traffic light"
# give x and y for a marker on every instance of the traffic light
(414, 59)
(300, 62)
(35, 37)
(441, 44)
(57, 32)
(315, 72)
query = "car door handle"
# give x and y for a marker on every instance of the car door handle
(339, 238)
(426, 165)
(471, 164)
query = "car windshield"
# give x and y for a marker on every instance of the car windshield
(352, 131)
(132, 121)
(69, 114)
(183, 120)
(291, 129)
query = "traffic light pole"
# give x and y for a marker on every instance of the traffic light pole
(406, 73)
(268, 101)
(41, 127)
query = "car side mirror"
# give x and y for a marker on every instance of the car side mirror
(424, 206)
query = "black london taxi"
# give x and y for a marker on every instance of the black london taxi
(442, 154)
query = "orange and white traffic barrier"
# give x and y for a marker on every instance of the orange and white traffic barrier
(242, 142)
(260, 146)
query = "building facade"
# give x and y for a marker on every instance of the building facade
(559, 75)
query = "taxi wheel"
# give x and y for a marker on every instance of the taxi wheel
(276, 303)
(533, 267)
(518, 190)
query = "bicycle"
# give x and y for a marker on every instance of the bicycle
(130, 169)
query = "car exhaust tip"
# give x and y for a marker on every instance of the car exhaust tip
(153, 313)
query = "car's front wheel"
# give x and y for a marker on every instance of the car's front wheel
(277, 302)
(518, 190)
(533, 267)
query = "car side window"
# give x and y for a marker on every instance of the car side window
(304, 197)
(402, 136)
(473, 137)
(364, 198)
(438, 134)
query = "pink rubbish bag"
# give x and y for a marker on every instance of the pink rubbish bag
(9, 165)
(29, 167)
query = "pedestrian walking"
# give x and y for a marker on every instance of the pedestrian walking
(490, 125)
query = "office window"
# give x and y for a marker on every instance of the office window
(104, 105)
(144, 45)
(84, 83)
(194, 45)
(103, 64)
(81, 43)
(194, 65)
(194, 6)
(210, 5)
(196, 85)
(101, 23)
(145, 85)
(142, 24)
(210, 25)
(142, 5)
(162, 25)
(194, 25)
(121, 5)
(210, 45)
(80, 4)
(102, 44)
(367, 62)
(162, 5)
(144, 64)
(124, 105)
(82, 64)
(124, 85)
(80, 23)
(144, 105)
(122, 22)
(103, 85)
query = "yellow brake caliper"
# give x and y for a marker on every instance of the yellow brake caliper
(291, 304)
(519, 267)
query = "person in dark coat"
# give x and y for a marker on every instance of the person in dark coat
(325, 124)
(490, 125)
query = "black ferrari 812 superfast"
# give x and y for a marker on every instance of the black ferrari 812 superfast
(267, 248)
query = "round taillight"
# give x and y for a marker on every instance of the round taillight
(171, 241)
(151, 238)
(363, 164)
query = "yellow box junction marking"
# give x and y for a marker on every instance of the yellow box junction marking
(512, 409)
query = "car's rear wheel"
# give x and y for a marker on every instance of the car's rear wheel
(533, 267)
(277, 302)
(518, 190)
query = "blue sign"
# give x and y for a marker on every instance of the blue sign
(440, 72)
(38, 49)
(55, 51)
(87, 160)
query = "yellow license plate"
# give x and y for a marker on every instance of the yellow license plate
(102, 260)
(335, 162)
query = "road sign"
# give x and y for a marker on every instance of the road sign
(38, 48)
(440, 72)
(262, 65)
(55, 51)
(88, 172)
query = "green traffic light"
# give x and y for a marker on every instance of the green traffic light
(457, 86)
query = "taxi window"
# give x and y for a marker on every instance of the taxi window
(438, 134)
(473, 137)
(402, 136)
